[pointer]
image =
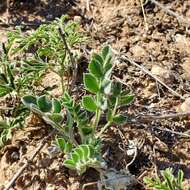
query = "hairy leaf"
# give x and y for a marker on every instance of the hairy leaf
(96, 68)
(44, 104)
(91, 83)
(89, 103)
(126, 100)
(56, 106)
(29, 99)
(119, 119)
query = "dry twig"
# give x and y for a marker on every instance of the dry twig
(161, 117)
(149, 118)
(144, 15)
(41, 145)
(172, 13)
(73, 62)
(154, 77)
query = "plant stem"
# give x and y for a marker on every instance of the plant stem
(62, 85)
(103, 129)
(98, 113)
(97, 118)
(109, 122)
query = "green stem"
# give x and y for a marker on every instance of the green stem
(97, 118)
(62, 85)
(98, 114)
(109, 122)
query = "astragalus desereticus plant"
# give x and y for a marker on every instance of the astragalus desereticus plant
(79, 129)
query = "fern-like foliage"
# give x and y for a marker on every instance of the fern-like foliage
(168, 181)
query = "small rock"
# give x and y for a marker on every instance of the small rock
(52, 81)
(138, 52)
(53, 151)
(185, 106)
(77, 19)
(162, 73)
(45, 162)
(186, 68)
(182, 43)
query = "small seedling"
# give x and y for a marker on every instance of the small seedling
(5, 132)
(168, 181)
(7, 125)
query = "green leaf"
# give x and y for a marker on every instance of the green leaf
(68, 102)
(96, 68)
(44, 52)
(3, 79)
(4, 90)
(77, 109)
(27, 100)
(90, 83)
(44, 104)
(119, 119)
(180, 176)
(86, 130)
(98, 58)
(70, 164)
(116, 89)
(106, 86)
(81, 158)
(103, 104)
(10, 75)
(126, 100)
(63, 146)
(106, 51)
(89, 104)
(56, 106)
(55, 117)
(75, 157)
(86, 152)
(109, 115)
(67, 97)
(68, 147)
(111, 101)
(82, 115)
(61, 143)
(108, 69)
(4, 125)
(69, 123)
(79, 152)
